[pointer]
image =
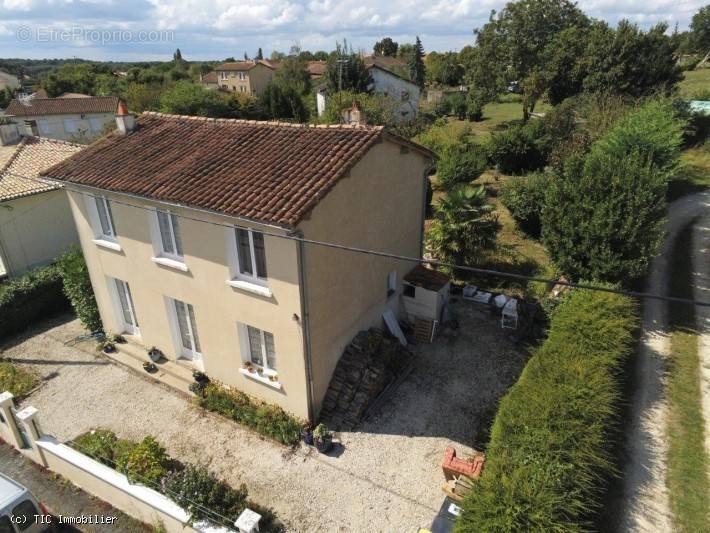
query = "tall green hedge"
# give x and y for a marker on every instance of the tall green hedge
(77, 287)
(549, 456)
(30, 298)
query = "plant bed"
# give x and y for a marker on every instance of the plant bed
(16, 379)
(267, 419)
(192, 487)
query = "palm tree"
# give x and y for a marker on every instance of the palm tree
(464, 226)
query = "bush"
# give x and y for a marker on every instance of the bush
(520, 148)
(455, 104)
(77, 287)
(30, 298)
(98, 444)
(16, 379)
(549, 458)
(525, 199)
(474, 108)
(267, 419)
(145, 462)
(442, 136)
(461, 163)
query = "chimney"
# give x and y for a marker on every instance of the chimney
(125, 122)
(354, 115)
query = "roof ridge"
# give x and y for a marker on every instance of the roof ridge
(10, 159)
(299, 125)
(53, 141)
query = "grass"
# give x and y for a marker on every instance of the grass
(694, 175)
(688, 463)
(695, 81)
(16, 379)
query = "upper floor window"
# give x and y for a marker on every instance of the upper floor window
(105, 219)
(96, 124)
(70, 125)
(242, 89)
(242, 75)
(170, 242)
(43, 127)
(222, 75)
(251, 255)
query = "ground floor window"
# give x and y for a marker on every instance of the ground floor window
(261, 350)
(187, 329)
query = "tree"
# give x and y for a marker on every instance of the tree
(386, 47)
(417, 70)
(141, 97)
(462, 163)
(277, 56)
(283, 102)
(73, 77)
(177, 56)
(187, 98)
(700, 32)
(512, 47)
(379, 110)
(294, 72)
(405, 51)
(259, 54)
(6, 95)
(443, 69)
(346, 71)
(464, 226)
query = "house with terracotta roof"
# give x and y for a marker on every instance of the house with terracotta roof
(248, 77)
(69, 118)
(212, 240)
(36, 224)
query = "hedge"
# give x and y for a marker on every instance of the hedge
(29, 299)
(549, 458)
(267, 419)
(77, 287)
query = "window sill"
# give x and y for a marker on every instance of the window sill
(250, 287)
(172, 263)
(263, 379)
(108, 244)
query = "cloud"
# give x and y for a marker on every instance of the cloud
(214, 29)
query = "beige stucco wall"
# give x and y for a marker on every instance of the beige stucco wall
(56, 125)
(379, 207)
(255, 79)
(218, 307)
(34, 230)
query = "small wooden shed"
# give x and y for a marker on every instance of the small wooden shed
(425, 294)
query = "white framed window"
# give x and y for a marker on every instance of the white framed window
(96, 124)
(242, 75)
(106, 227)
(258, 348)
(43, 127)
(126, 309)
(223, 75)
(169, 228)
(248, 256)
(70, 125)
(242, 89)
(183, 316)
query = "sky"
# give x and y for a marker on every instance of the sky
(137, 30)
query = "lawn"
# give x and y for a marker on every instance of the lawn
(695, 82)
(16, 379)
(694, 174)
(687, 479)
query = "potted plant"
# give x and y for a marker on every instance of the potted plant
(248, 366)
(259, 370)
(149, 366)
(322, 438)
(155, 354)
(273, 377)
(106, 347)
(200, 377)
(307, 434)
(117, 338)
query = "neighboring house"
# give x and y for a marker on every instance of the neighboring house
(69, 118)
(209, 80)
(385, 80)
(36, 223)
(249, 77)
(8, 80)
(189, 227)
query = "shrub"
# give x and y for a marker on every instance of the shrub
(145, 462)
(464, 226)
(16, 379)
(455, 104)
(549, 458)
(98, 444)
(267, 419)
(77, 287)
(29, 299)
(442, 136)
(474, 108)
(525, 199)
(520, 148)
(461, 163)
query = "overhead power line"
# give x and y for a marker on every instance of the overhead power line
(379, 253)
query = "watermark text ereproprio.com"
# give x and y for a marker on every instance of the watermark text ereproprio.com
(94, 36)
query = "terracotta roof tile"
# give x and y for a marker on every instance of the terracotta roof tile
(31, 157)
(267, 171)
(59, 106)
(427, 278)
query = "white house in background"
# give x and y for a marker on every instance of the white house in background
(36, 223)
(385, 80)
(8, 80)
(66, 119)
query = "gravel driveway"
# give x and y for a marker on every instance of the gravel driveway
(388, 476)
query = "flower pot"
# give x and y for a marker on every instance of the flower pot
(155, 355)
(109, 349)
(307, 437)
(324, 444)
(149, 367)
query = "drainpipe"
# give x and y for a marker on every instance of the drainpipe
(305, 321)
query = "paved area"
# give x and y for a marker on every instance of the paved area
(61, 497)
(701, 291)
(386, 476)
(646, 500)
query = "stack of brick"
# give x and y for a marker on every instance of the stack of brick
(368, 364)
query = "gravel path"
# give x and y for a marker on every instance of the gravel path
(388, 476)
(701, 291)
(646, 503)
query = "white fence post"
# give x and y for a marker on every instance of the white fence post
(10, 431)
(30, 427)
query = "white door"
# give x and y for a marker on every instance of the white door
(128, 312)
(3, 270)
(189, 341)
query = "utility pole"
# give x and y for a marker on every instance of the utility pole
(340, 63)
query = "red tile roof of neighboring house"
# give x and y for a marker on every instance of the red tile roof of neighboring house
(241, 65)
(210, 77)
(428, 278)
(60, 106)
(317, 68)
(19, 175)
(267, 171)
